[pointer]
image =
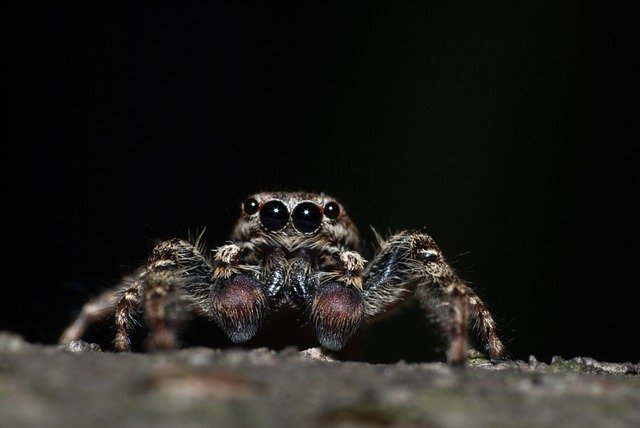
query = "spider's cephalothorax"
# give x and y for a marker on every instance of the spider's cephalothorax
(295, 249)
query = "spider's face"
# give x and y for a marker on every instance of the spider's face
(292, 213)
(295, 216)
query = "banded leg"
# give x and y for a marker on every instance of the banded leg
(175, 269)
(451, 307)
(127, 307)
(474, 309)
(160, 292)
(411, 261)
(95, 310)
(486, 325)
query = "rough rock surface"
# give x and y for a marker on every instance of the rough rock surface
(79, 386)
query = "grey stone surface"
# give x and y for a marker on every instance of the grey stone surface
(79, 386)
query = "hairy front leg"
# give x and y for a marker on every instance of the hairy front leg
(411, 262)
(336, 308)
(238, 302)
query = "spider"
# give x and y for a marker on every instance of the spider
(290, 249)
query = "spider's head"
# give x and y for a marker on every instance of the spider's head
(297, 215)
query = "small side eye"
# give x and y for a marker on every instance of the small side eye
(428, 256)
(250, 206)
(331, 210)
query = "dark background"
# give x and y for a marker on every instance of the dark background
(505, 129)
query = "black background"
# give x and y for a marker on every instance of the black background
(505, 129)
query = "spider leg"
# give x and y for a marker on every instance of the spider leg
(128, 305)
(95, 310)
(180, 280)
(176, 272)
(237, 300)
(163, 299)
(336, 307)
(411, 262)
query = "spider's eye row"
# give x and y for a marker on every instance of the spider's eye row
(306, 217)
(250, 206)
(332, 210)
(274, 216)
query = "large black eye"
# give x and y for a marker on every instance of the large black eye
(274, 216)
(306, 217)
(250, 206)
(332, 210)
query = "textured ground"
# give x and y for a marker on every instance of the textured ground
(47, 386)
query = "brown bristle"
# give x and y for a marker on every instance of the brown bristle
(239, 305)
(336, 313)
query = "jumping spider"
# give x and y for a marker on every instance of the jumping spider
(296, 249)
